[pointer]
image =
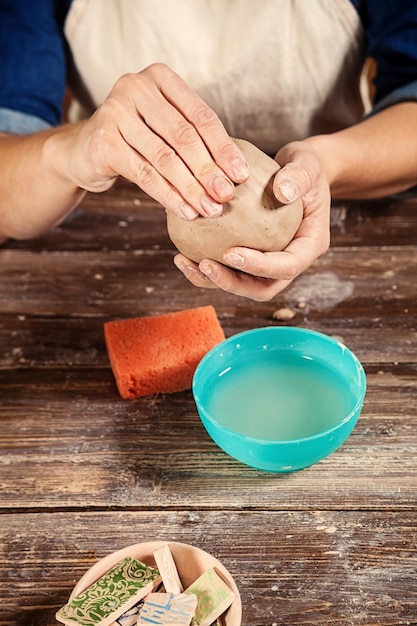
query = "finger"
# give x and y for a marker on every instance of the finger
(210, 274)
(240, 283)
(203, 118)
(166, 161)
(300, 171)
(132, 166)
(192, 272)
(286, 265)
(194, 130)
(187, 145)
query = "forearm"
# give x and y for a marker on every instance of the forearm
(36, 191)
(374, 158)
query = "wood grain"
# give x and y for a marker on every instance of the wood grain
(155, 452)
(310, 567)
(83, 472)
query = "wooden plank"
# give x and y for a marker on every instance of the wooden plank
(53, 306)
(56, 341)
(68, 440)
(127, 284)
(388, 222)
(125, 218)
(310, 567)
(83, 472)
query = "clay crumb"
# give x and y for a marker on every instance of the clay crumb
(283, 315)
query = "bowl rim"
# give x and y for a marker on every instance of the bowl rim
(354, 412)
(108, 561)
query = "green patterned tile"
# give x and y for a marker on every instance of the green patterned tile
(110, 596)
(213, 596)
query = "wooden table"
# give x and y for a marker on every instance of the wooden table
(84, 473)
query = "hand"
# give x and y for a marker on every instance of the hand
(259, 275)
(156, 132)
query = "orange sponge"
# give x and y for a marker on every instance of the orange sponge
(159, 354)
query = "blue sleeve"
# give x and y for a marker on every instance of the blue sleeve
(391, 34)
(32, 59)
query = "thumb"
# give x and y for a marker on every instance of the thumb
(300, 171)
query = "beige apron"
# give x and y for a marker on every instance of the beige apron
(273, 70)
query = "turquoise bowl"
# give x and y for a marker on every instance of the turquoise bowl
(280, 398)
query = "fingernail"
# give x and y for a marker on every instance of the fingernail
(234, 259)
(183, 267)
(223, 187)
(188, 212)
(210, 271)
(240, 169)
(213, 209)
(288, 190)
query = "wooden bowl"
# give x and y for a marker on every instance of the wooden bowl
(190, 561)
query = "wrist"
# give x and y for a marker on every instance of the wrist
(328, 155)
(57, 155)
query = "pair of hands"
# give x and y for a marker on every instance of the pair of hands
(156, 132)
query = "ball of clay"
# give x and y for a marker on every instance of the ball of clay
(254, 218)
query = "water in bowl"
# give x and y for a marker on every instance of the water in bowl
(280, 400)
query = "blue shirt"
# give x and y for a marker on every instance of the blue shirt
(33, 60)
(391, 39)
